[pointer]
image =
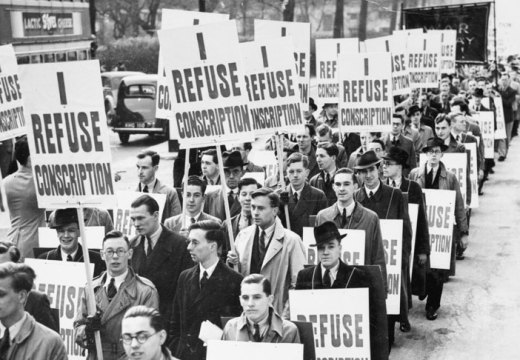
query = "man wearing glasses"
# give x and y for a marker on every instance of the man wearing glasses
(116, 290)
(396, 138)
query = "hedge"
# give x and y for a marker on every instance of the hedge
(137, 54)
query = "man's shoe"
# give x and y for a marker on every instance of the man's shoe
(501, 158)
(460, 257)
(405, 326)
(431, 314)
(491, 171)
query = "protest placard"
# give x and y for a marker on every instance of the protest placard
(500, 132)
(68, 134)
(300, 33)
(258, 176)
(365, 92)
(327, 51)
(440, 211)
(240, 350)
(413, 213)
(448, 50)
(48, 238)
(457, 163)
(340, 318)
(171, 19)
(65, 292)
(396, 45)
(207, 83)
(486, 121)
(392, 232)
(122, 220)
(408, 32)
(265, 159)
(352, 246)
(5, 218)
(473, 173)
(271, 84)
(424, 62)
(12, 117)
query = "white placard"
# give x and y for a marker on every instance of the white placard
(68, 134)
(486, 121)
(352, 246)
(48, 237)
(500, 132)
(473, 173)
(258, 176)
(327, 51)
(365, 92)
(300, 33)
(240, 350)
(122, 220)
(340, 318)
(207, 85)
(424, 59)
(392, 232)
(12, 116)
(448, 50)
(440, 212)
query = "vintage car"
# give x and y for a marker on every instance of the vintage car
(135, 109)
(110, 81)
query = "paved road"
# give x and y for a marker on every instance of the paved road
(480, 313)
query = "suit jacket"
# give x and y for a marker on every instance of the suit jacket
(407, 145)
(310, 202)
(214, 204)
(95, 258)
(175, 222)
(172, 205)
(361, 219)
(313, 165)
(192, 306)
(163, 265)
(318, 182)
(455, 147)
(283, 259)
(39, 307)
(347, 277)
(388, 203)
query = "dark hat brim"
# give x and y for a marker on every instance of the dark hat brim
(322, 242)
(361, 167)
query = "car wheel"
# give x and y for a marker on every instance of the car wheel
(124, 138)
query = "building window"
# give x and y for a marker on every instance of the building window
(72, 56)
(82, 55)
(23, 59)
(61, 57)
(49, 58)
(36, 59)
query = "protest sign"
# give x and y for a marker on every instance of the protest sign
(122, 221)
(239, 350)
(300, 33)
(396, 45)
(68, 134)
(473, 173)
(352, 246)
(65, 292)
(486, 120)
(12, 117)
(448, 50)
(440, 211)
(271, 84)
(5, 218)
(424, 61)
(327, 51)
(265, 159)
(365, 92)
(171, 19)
(48, 238)
(207, 83)
(500, 132)
(407, 32)
(258, 176)
(457, 163)
(340, 318)
(413, 213)
(392, 232)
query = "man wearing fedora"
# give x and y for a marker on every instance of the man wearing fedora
(233, 172)
(435, 176)
(396, 138)
(388, 203)
(349, 214)
(67, 228)
(477, 101)
(393, 164)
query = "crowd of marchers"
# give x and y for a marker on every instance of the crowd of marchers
(153, 291)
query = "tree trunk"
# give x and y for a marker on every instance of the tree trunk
(338, 20)
(363, 13)
(288, 11)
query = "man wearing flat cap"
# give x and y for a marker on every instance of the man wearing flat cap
(388, 203)
(425, 132)
(67, 227)
(233, 172)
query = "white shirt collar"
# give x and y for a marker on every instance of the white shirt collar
(155, 236)
(397, 182)
(373, 190)
(268, 231)
(429, 168)
(16, 327)
(209, 270)
(299, 192)
(118, 280)
(151, 185)
(196, 217)
(349, 208)
(64, 254)
(333, 272)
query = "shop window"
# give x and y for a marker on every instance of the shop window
(61, 57)
(72, 56)
(49, 58)
(23, 59)
(36, 59)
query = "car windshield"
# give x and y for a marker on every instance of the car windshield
(141, 90)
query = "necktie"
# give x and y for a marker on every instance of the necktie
(458, 138)
(327, 179)
(69, 258)
(261, 242)
(231, 198)
(344, 219)
(326, 279)
(295, 197)
(256, 334)
(150, 245)
(145, 189)
(4, 344)
(370, 195)
(192, 220)
(249, 220)
(204, 280)
(393, 183)
(111, 289)
(394, 142)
